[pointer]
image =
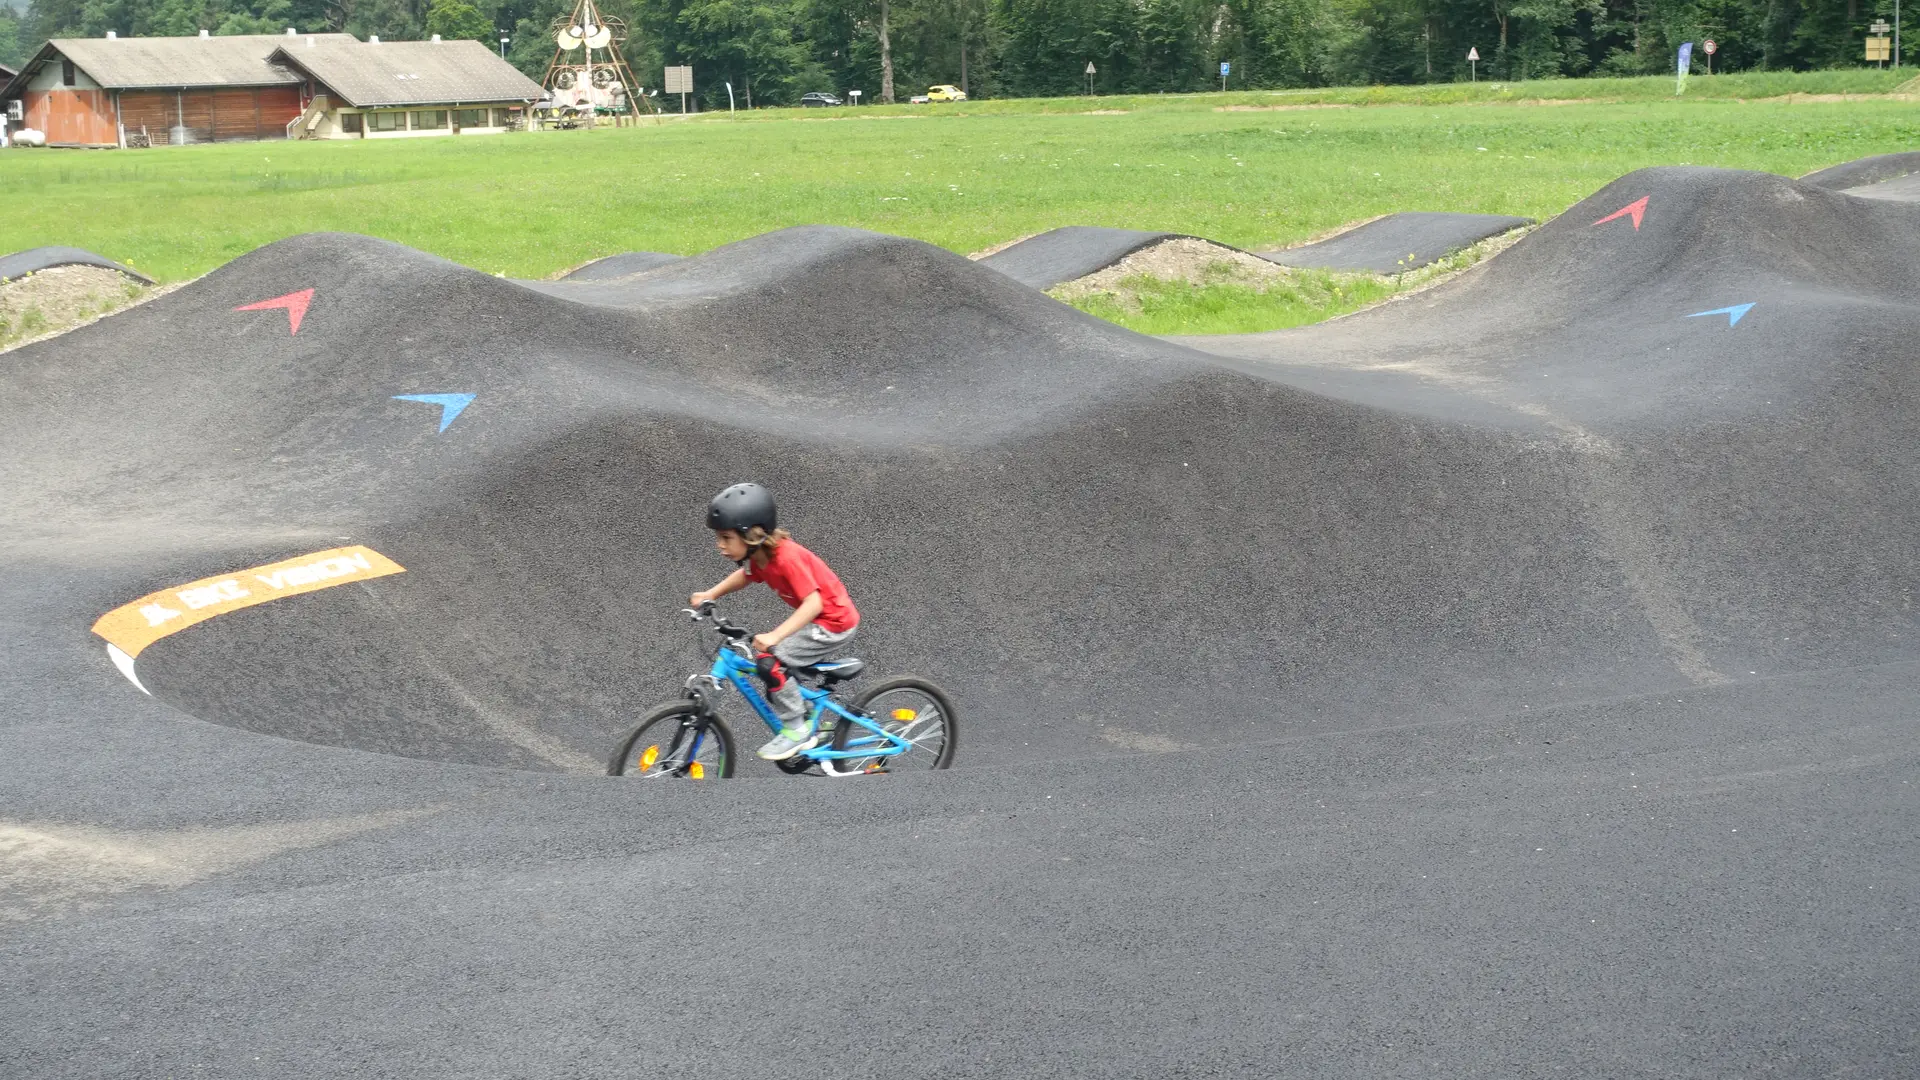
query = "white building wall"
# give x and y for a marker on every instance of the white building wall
(330, 128)
(49, 78)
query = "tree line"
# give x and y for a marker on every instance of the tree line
(775, 50)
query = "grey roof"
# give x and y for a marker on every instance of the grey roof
(6, 73)
(241, 60)
(410, 72)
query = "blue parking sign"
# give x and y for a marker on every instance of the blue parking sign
(1225, 69)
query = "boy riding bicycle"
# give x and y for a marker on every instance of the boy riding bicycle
(745, 524)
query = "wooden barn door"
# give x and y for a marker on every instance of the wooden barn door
(195, 112)
(151, 109)
(236, 116)
(278, 106)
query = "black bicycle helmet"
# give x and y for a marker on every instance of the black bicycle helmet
(741, 507)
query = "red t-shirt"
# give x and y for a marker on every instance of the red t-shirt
(796, 573)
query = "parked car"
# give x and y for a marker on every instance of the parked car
(943, 92)
(818, 100)
(918, 99)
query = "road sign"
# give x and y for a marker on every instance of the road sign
(1879, 48)
(1473, 65)
(1710, 47)
(1473, 55)
(855, 95)
(679, 80)
(1089, 67)
(1880, 26)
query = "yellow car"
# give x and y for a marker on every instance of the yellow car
(946, 93)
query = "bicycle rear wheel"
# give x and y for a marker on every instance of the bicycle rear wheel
(913, 709)
(675, 740)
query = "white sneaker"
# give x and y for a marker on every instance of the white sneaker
(789, 742)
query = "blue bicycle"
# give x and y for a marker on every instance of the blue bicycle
(901, 724)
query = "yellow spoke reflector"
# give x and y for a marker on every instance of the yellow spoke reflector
(697, 771)
(652, 755)
(133, 626)
(904, 714)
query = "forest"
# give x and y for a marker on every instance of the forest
(773, 51)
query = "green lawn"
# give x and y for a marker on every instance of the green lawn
(964, 177)
(1744, 87)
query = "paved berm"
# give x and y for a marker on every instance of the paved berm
(1517, 679)
(33, 260)
(1397, 243)
(1070, 252)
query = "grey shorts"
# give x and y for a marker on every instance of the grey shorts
(812, 644)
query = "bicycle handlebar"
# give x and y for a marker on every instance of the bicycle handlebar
(705, 613)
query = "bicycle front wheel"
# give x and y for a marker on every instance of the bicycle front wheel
(675, 740)
(913, 709)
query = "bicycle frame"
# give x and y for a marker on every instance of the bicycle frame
(734, 665)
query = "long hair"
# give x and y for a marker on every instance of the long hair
(760, 543)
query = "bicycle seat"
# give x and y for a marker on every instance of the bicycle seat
(833, 671)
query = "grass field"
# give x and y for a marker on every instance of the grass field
(1254, 170)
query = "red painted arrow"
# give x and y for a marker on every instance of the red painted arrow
(1637, 209)
(296, 305)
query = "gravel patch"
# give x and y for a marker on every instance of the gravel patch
(57, 299)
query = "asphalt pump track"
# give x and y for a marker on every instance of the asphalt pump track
(1516, 679)
(1392, 244)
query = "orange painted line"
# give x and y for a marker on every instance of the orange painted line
(133, 626)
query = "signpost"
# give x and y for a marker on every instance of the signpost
(680, 81)
(1879, 48)
(1473, 61)
(1089, 78)
(1225, 70)
(854, 96)
(1710, 48)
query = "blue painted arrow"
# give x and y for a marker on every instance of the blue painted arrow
(452, 404)
(1732, 313)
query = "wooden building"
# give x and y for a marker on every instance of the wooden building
(111, 91)
(122, 92)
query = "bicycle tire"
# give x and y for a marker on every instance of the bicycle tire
(933, 762)
(676, 714)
